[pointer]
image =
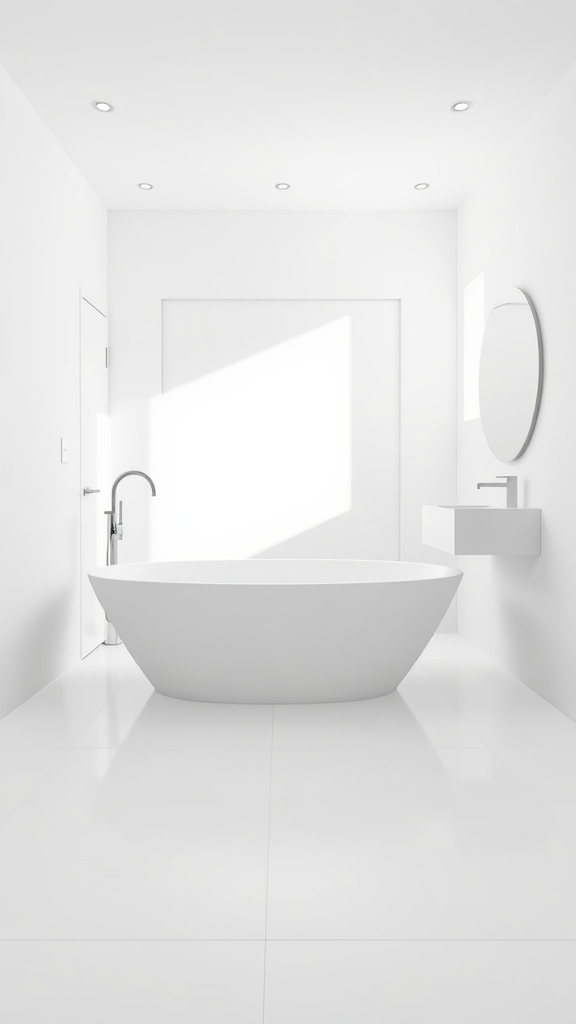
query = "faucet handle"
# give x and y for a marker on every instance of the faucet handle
(504, 477)
(119, 523)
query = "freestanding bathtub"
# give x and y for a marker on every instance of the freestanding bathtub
(275, 631)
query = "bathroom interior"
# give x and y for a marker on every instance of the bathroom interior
(287, 645)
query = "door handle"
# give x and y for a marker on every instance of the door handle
(91, 490)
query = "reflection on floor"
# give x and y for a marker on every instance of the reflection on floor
(407, 860)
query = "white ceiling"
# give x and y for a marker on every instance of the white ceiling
(348, 100)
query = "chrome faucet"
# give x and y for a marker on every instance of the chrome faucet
(511, 486)
(116, 533)
(116, 526)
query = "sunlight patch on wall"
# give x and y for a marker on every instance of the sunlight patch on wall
(256, 452)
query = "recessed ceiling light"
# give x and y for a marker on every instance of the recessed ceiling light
(462, 105)
(421, 185)
(282, 185)
(145, 185)
(106, 108)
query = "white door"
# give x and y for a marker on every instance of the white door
(94, 481)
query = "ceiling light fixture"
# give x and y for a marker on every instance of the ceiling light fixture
(461, 106)
(421, 185)
(145, 185)
(105, 108)
(282, 185)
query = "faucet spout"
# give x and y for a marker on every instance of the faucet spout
(130, 472)
(511, 485)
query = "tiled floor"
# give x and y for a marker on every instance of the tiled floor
(407, 860)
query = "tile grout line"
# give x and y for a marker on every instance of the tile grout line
(267, 869)
(305, 939)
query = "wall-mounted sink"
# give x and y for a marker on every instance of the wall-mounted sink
(481, 529)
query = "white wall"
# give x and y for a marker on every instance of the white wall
(53, 242)
(277, 431)
(408, 256)
(520, 229)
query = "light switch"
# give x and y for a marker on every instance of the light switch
(63, 449)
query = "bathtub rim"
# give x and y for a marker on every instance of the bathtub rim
(120, 573)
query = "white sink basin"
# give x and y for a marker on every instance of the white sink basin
(481, 529)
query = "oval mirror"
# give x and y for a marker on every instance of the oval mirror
(510, 375)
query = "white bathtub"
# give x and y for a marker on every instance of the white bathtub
(276, 631)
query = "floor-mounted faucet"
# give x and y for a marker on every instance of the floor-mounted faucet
(115, 533)
(511, 486)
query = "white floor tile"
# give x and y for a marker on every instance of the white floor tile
(114, 723)
(420, 983)
(138, 717)
(549, 776)
(413, 844)
(20, 771)
(391, 821)
(139, 844)
(417, 714)
(57, 714)
(131, 982)
(501, 710)
(446, 647)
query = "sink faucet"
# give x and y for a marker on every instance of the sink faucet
(115, 533)
(511, 486)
